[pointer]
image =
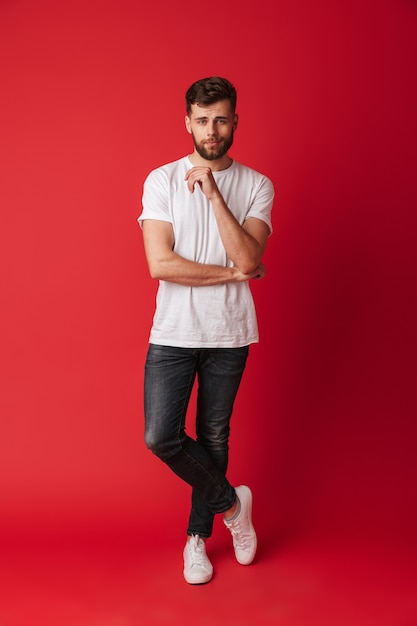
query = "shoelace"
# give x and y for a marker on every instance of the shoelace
(240, 539)
(195, 551)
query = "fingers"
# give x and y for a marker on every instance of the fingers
(201, 175)
(197, 172)
(257, 274)
(260, 271)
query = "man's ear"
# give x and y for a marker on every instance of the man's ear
(188, 124)
(235, 121)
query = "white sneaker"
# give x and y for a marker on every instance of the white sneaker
(197, 567)
(243, 532)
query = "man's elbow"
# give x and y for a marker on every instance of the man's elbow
(154, 275)
(248, 266)
(161, 266)
(155, 270)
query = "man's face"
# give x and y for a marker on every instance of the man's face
(212, 128)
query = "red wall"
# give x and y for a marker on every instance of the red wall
(92, 99)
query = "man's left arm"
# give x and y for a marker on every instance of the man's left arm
(244, 245)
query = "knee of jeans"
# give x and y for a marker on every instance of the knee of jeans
(162, 446)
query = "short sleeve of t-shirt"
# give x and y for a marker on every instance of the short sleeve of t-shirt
(155, 200)
(262, 202)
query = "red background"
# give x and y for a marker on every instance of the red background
(91, 99)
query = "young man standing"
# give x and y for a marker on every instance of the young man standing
(205, 221)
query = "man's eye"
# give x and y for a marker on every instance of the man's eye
(202, 122)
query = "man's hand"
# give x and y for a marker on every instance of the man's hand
(202, 176)
(260, 271)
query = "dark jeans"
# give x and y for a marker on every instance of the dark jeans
(169, 378)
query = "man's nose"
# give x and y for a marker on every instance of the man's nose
(210, 128)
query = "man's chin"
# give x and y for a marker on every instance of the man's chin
(211, 155)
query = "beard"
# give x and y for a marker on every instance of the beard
(213, 155)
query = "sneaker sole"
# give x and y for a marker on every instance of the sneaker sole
(201, 580)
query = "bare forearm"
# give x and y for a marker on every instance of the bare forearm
(243, 249)
(176, 269)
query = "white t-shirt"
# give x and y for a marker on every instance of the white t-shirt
(221, 316)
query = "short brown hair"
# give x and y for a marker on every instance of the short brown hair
(210, 90)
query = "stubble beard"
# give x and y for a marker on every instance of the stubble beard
(213, 155)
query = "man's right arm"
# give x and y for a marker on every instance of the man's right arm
(165, 264)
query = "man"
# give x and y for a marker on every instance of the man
(205, 221)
